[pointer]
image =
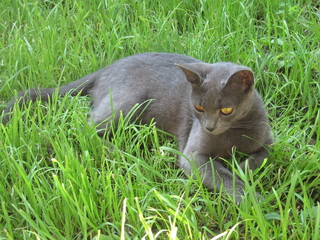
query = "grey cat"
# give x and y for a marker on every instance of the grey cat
(210, 108)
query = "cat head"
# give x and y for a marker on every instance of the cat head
(222, 93)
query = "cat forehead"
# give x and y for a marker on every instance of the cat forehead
(215, 97)
(222, 70)
(215, 81)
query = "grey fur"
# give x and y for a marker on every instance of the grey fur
(176, 83)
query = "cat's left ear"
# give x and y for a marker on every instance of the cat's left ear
(194, 72)
(241, 80)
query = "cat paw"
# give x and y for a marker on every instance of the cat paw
(249, 164)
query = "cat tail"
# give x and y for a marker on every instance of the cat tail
(81, 86)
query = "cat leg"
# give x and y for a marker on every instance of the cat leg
(101, 115)
(108, 110)
(256, 159)
(214, 175)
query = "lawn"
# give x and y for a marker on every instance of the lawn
(59, 180)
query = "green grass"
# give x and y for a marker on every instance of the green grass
(59, 180)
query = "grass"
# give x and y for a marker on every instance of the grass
(59, 180)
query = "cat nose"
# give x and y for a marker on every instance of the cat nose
(210, 125)
(210, 129)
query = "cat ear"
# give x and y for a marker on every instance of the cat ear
(242, 80)
(194, 72)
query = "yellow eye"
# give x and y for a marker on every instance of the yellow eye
(226, 111)
(199, 108)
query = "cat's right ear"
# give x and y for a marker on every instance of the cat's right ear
(193, 72)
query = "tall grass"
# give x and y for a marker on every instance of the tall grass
(59, 180)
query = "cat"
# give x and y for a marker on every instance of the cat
(210, 108)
